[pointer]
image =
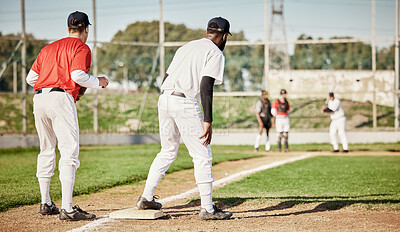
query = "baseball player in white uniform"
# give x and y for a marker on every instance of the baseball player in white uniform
(189, 80)
(59, 77)
(338, 124)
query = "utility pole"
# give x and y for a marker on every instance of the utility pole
(373, 47)
(277, 32)
(162, 40)
(396, 71)
(23, 69)
(266, 47)
(94, 56)
(15, 77)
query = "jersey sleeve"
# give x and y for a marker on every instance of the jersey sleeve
(258, 107)
(214, 67)
(334, 105)
(82, 59)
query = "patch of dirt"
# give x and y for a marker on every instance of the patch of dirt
(250, 215)
(356, 121)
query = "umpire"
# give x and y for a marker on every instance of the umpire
(264, 116)
(189, 80)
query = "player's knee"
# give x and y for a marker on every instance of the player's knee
(280, 136)
(286, 135)
(166, 155)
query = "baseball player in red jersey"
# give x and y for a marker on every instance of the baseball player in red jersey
(189, 80)
(57, 77)
(280, 109)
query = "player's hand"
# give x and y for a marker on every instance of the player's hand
(207, 128)
(324, 107)
(103, 81)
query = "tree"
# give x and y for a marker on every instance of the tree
(139, 59)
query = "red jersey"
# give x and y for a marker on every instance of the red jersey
(57, 60)
(282, 108)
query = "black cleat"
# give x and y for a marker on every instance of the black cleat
(345, 151)
(76, 214)
(335, 151)
(49, 210)
(143, 203)
(256, 149)
(218, 214)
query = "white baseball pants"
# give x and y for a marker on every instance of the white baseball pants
(282, 124)
(56, 120)
(338, 126)
(180, 118)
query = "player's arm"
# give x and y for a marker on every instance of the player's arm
(32, 78)
(206, 96)
(274, 108)
(86, 80)
(334, 105)
(258, 110)
(80, 68)
(165, 77)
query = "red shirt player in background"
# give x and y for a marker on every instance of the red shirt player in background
(58, 76)
(280, 109)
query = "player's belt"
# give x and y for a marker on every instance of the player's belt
(175, 93)
(48, 90)
(179, 94)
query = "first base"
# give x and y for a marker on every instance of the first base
(134, 213)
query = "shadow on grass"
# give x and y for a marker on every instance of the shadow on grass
(326, 203)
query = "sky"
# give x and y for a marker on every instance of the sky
(46, 19)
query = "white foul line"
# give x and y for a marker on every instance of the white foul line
(186, 194)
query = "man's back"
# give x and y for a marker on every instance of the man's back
(191, 62)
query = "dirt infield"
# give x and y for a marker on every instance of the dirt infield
(254, 215)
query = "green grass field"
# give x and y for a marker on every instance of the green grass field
(334, 181)
(108, 166)
(119, 114)
(101, 167)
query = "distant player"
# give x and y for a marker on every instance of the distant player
(338, 124)
(264, 116)
(189, 80)
(280, 109)
(57, 77)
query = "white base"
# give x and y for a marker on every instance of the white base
(134, 213)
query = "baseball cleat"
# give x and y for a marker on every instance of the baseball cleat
(76, 214)
(143, 203)
(345, 151)
(256, 149)
(218, 214)
(335, 151)
(45, 209)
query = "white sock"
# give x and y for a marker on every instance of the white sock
(205, 190)
(257, 142)
(267, 144)
(44, 185)
(67, 178)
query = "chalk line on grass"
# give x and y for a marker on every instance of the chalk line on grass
(218, 183)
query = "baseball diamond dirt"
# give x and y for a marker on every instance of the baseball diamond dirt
(182, 215)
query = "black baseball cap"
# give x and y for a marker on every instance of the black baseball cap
(81, 18)
(283, 91)
(223, 25)
(331, 94)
